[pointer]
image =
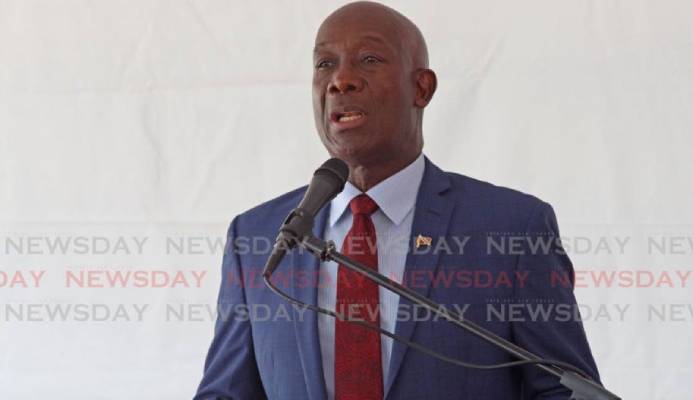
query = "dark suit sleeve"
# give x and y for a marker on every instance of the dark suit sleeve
(230, 369)
(549, 284)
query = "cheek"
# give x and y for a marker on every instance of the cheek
(318, 103)
(395, 93)
(317, 94)
(392, 104)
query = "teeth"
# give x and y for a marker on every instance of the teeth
(347, 118)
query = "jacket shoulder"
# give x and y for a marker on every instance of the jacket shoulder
(489, 191)
(497, 201)
(268, 216)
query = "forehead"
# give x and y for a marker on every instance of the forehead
(351, 30)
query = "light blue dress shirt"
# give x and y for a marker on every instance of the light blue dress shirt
(396, 197)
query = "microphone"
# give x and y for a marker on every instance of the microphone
(327, 182)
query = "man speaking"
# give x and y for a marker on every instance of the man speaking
(371, 83)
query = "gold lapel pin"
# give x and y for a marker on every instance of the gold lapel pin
(423, 241)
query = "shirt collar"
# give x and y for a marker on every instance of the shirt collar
(395, 196)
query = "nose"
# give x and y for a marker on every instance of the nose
(345, 80)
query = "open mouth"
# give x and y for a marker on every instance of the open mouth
(347, 116)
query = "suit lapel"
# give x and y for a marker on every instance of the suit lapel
(306, 322)
(431, 218)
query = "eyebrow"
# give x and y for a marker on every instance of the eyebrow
(368, 37)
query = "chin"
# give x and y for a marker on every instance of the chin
(355, 155)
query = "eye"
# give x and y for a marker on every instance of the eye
(371, 60)
(323, 64)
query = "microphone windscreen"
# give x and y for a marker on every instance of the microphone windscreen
(337, 167)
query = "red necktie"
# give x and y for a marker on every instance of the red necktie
(358, 373)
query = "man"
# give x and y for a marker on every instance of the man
(371, 83)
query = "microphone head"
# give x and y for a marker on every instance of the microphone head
(337, 168)
(327, 182)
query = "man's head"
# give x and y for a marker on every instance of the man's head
(370, 84)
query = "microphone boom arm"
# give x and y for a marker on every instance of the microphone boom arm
(571, 377)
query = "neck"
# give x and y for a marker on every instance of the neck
(364, 177)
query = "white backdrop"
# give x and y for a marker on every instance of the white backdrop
(130, 127)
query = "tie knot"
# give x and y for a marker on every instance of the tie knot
(362, 204)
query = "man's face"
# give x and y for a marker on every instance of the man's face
(363, 90)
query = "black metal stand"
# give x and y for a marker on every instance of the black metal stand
(570, 376)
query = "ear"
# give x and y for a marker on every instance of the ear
(426, 84)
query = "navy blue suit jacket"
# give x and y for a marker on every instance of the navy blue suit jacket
(263, 348)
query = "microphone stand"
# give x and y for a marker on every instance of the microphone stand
(581, 387)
